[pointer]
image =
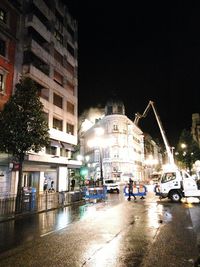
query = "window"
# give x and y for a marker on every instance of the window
(115, 127)
(58, 57)
(46, 116)
(70, 107)
(59, 22)
(2, 82)
(70, 68)
(70, 49)
(169, 176)
(70, 31)
(2, 48)
(51, 150)
(58, 36)
(57, 100)
(58, 78)
(44, 93)
(3, 15)
(70, 86)
(57, 124)
(70, 129)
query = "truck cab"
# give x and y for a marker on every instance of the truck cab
(175, 185)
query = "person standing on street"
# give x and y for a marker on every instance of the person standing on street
(130, 189)
(72, 184)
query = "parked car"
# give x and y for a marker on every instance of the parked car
(111, 185)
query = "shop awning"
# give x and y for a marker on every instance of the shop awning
(56, 143)
(67, 146)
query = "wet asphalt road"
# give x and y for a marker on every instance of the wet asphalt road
(114, 233)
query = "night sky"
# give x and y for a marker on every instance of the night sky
(140, 51)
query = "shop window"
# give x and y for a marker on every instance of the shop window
(57, 100)
(57, 124)
(70, 107)
(70, 129)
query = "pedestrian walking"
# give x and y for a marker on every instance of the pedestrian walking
(130, 189)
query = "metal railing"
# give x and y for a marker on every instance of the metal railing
(32, 202)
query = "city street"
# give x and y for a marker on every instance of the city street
(115, 233)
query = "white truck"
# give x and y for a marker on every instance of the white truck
(174, 183)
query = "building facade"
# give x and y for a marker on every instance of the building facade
(118, 152)
(9, 22)
(195, 129)
(47, 53)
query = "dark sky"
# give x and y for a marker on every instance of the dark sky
(141, 51)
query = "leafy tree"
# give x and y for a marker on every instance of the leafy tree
(188, 150)
(23, 125)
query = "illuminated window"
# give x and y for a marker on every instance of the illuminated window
(2, 82)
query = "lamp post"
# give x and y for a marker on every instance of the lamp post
(98, 142)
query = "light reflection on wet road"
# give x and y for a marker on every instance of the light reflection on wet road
(112, 233)
(16, 232)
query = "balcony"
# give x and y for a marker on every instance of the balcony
(41, 53)
(33, 21)
(43, 8)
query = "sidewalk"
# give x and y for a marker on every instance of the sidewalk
(42, 203)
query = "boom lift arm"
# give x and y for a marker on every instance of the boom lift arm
(138, 116)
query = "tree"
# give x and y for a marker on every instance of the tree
(188, 150)
(23, 125)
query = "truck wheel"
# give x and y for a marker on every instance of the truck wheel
(175, 197)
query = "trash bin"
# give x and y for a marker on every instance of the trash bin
(33, 198)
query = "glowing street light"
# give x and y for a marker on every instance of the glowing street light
(183, 146)
(99, 142)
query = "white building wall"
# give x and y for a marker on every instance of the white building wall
(124, 153)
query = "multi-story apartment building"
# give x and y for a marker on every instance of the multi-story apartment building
(9, 21)
(47, 53)
(119, 152)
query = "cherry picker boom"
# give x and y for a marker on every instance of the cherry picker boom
(138, 116)
(174, 184)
